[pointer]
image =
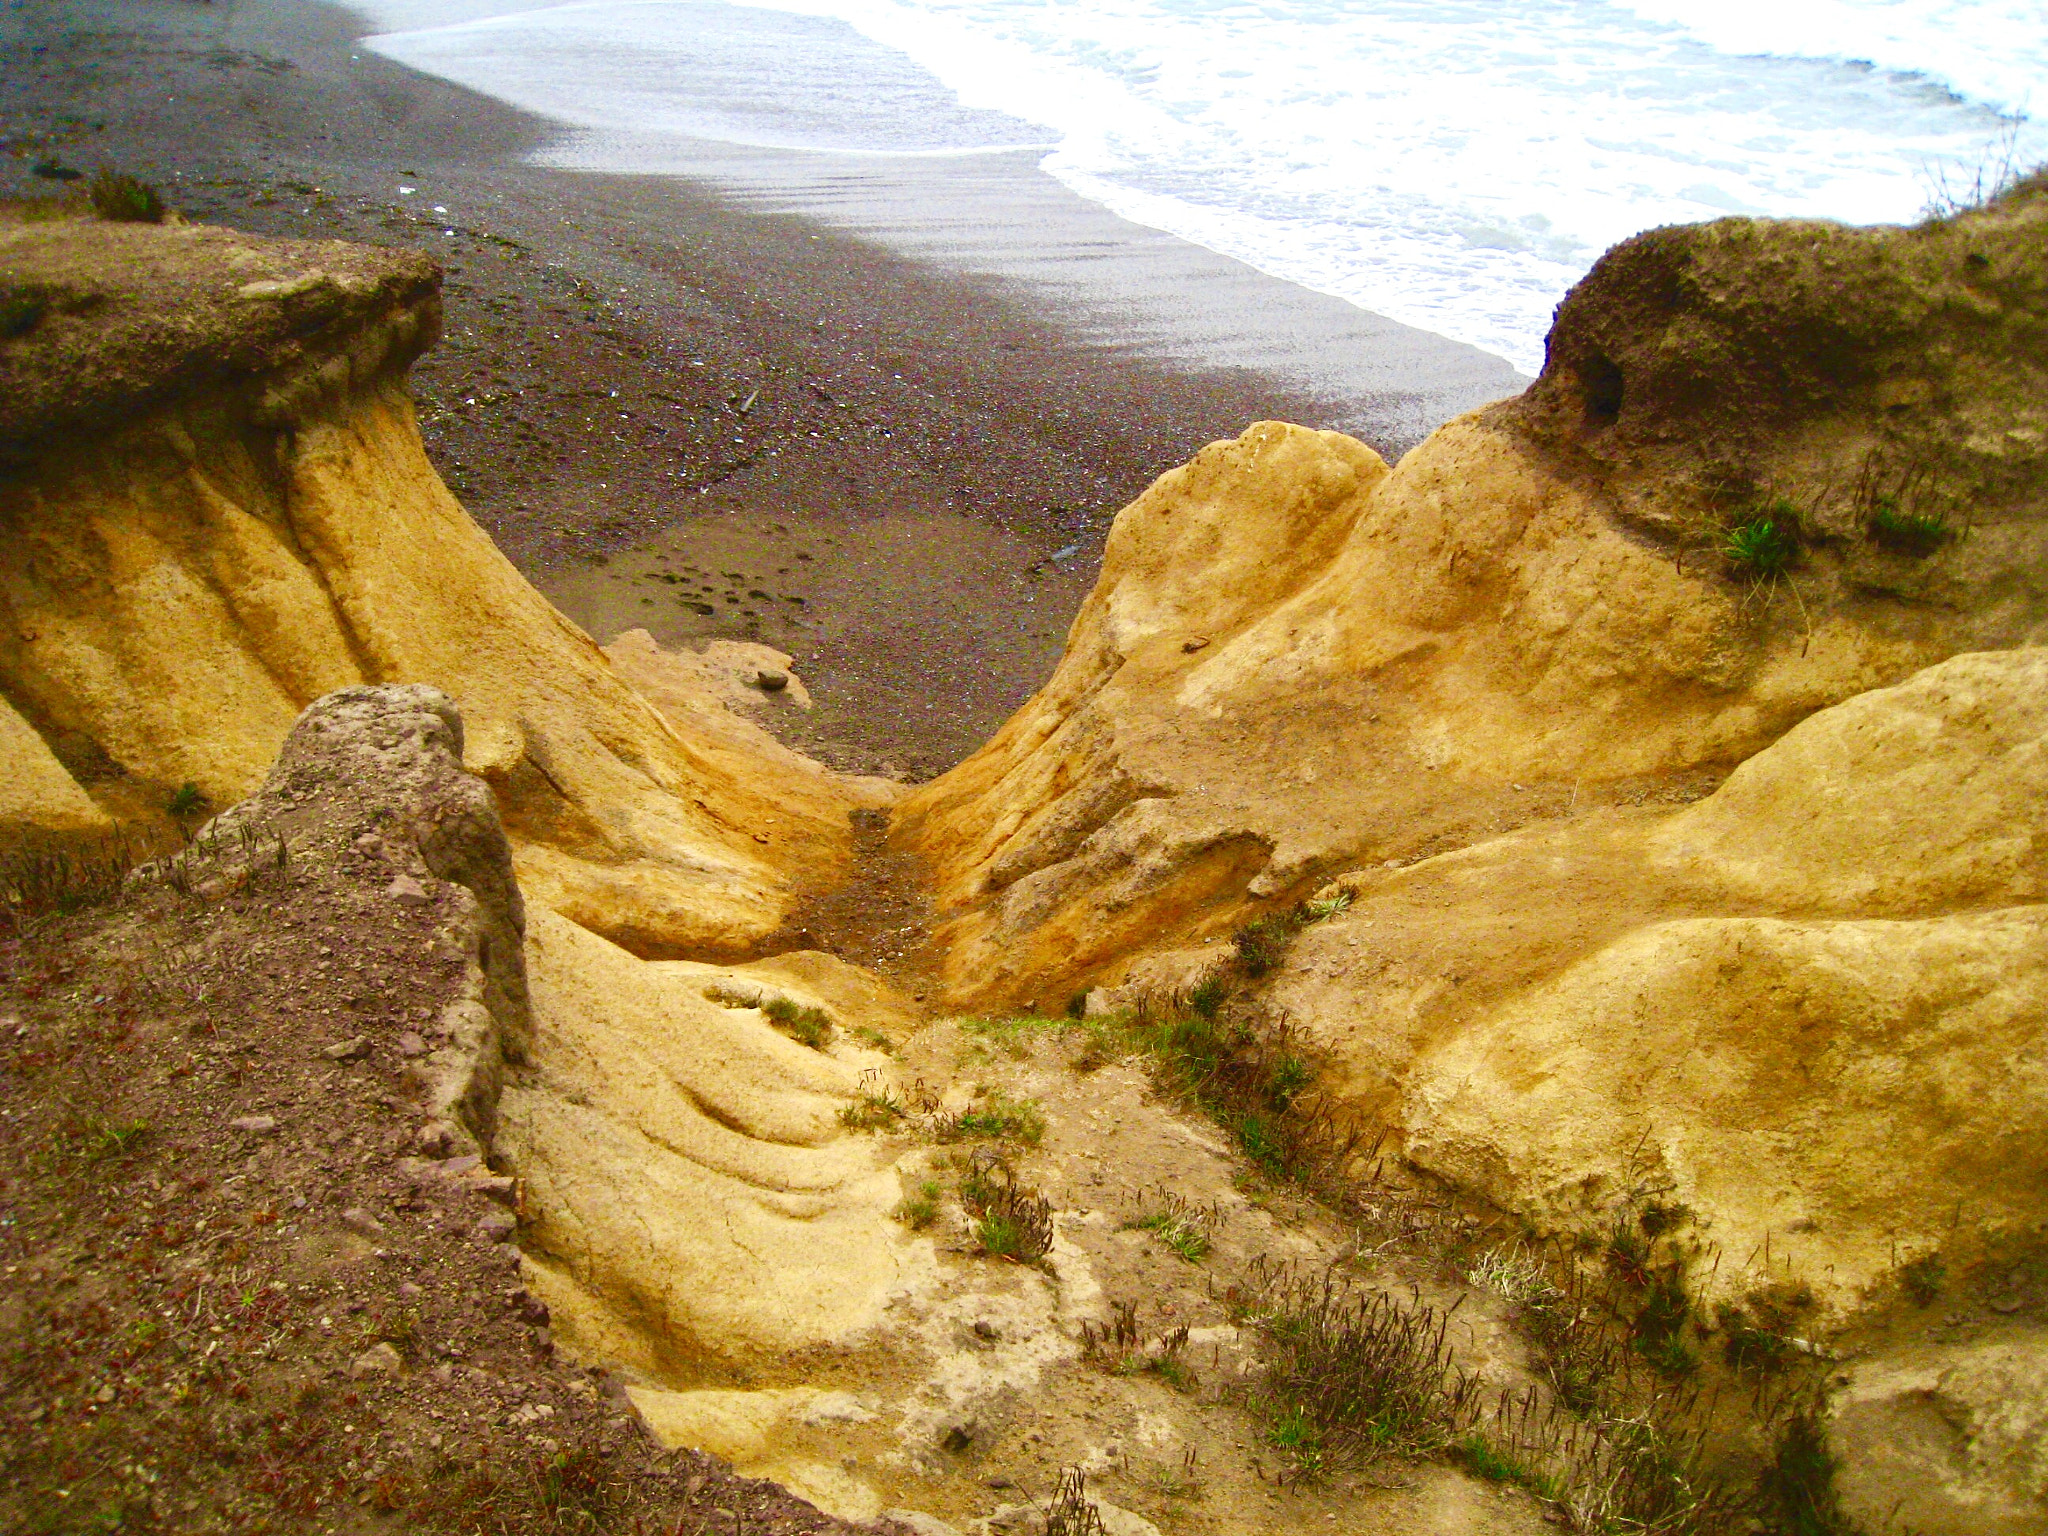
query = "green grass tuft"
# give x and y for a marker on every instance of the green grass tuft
(920, 1210)
(1262, 943)
(1178, 1225)
(1800, 1482)
(1356, 1375)
(1013, 1035)
(868, 1035)
(1907, 533)
(1011, 1220)
(805, 1025)
(1763, 545)
(1252, 1082)
(1482, 1458)
(997, 1118)
(1321, 909)
(877, 1109)
(101, 1140)
(122, 199)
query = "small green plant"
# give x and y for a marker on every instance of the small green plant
(1070, 1512)
(1800, 1482)
(1922, 1278)
(1184, 1238)
(1001, 1235)
(996, 1118)
(1764, 544)
(1013, 1035)
(1482, 1458)
(1251, 1081)
(1661, 1325)
(1178, 1225)
(1321, 909)
(1627, 1253)
(868, 1035)
(1906, 532)
(1177, 1482)
(1669, 1353)
(185, 801)
(1010, 1220)
(122, 199)
(920, 1210)
(1208, 997)
(875, 1109)
(1356, 1375)
(1104, 1038)
(1657, 1217)
(805, 1025)
(53, 873)
(1746, 1346)
(1513, 1275)
(1293, 1432)
(1262, 943)
(102, 1140)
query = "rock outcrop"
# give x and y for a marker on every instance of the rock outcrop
(220, 511)
(1296, 662)
(375, 774)
(1675, 876)
(698, 1204)
(1775, 518)
(1947, 1439)
(1807, 1009)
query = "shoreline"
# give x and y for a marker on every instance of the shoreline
(900, 474)
(997, 217)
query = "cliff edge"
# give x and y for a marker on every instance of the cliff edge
(220, 511)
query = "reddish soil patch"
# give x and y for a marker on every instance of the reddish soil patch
(294, 1323)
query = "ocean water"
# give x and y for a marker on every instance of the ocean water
(1455, 165)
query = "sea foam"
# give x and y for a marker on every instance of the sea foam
(1454, 165)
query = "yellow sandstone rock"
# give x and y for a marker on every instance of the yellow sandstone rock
(185, 584)
(1296, 663)
(698, 1203)
(1489, 690)
(1808, 1007)
(1483, 625)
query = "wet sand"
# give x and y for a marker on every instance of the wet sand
(650, 376)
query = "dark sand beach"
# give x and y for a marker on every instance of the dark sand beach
(879, 418)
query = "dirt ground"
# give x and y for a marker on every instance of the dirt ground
(240, 1294)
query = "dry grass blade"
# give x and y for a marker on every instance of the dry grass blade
(1356, 1375)
(1071, 1513)
(1011, 1221)
(45, 874)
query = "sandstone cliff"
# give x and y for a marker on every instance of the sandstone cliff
(1296, 661)
(219, 510)
(1662, 859)
(1667, 748)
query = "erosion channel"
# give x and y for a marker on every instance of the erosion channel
(1497, 990)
